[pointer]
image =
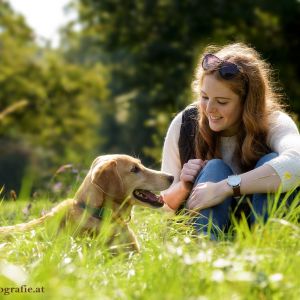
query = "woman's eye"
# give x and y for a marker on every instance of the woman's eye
(204, 98)
(222, 103)
(135, 169)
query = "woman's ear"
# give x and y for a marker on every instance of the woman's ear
(106, 177)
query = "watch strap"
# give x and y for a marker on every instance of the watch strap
(236, 191)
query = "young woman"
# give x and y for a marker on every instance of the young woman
(234, 140)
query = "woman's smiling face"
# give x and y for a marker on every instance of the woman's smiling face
(221, 105)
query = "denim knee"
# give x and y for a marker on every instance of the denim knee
(265, 158)
(214, 171)
(216, 163)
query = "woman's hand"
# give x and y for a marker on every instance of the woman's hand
(190, 170)
(208, 194)
(178, 192)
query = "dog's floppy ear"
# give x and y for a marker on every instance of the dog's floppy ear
(106, 177)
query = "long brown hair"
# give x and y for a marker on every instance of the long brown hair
(260, 97)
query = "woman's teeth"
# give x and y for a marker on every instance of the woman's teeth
(215, 118)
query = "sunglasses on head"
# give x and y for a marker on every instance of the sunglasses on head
(227, 70)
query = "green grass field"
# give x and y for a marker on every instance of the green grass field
(261, 263)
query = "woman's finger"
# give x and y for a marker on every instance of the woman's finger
(196, 163)
(190, 166)
(188, 178)
(195, 160)
(190, 171)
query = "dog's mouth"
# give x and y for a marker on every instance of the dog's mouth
(148, 197)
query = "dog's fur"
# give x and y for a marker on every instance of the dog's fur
(114, 183)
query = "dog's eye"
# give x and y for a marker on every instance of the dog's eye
(135, 169)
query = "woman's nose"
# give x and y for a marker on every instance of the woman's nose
(210, 106)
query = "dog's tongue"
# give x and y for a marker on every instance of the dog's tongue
(150, 196)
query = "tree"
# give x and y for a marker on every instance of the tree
(59, 123)
(151, 48)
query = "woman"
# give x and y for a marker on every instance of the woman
(236, 126)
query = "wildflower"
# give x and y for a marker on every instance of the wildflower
(3, 245)
(187, 240)
(222, 263)
(287, 175)
(276, 277)
(241, 276)
(217, 276)
(130, 273)
(188, 260)
(67, 260)
(13, 272)
(204, 256)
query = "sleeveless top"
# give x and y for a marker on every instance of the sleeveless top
(186, 142)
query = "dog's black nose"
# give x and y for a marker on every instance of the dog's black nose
(170, 178)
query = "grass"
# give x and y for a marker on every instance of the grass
(261, 263)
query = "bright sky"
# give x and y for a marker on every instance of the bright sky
(44, 17)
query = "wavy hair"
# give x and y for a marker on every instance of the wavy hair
(260, 98)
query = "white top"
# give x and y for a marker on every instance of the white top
(283, 138)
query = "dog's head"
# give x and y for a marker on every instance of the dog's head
(124, 177)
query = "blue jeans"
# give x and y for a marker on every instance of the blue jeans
(219, 215)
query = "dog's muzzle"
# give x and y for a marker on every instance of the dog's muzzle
(148, 197)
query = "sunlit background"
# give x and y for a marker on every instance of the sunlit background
(45, 17)
(83, 78)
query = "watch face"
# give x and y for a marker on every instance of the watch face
(234, 180)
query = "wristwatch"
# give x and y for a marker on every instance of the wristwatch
(234, 181)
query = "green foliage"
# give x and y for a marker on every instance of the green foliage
(174, 263)
(151, 48)
(59, 119)
(122, 71)
(113, 87)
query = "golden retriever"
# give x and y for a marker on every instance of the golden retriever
(112, 186)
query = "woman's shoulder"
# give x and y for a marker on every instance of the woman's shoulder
(177, 119)
(281, 125)
(174, 127)
(282, 119)
(189, 113)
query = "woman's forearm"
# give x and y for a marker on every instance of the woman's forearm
(260, 180)
(208, 194)
(176, 194)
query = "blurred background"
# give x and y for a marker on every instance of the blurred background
(116, 77)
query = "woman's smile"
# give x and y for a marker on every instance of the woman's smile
(214, 118)
(221, 106)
